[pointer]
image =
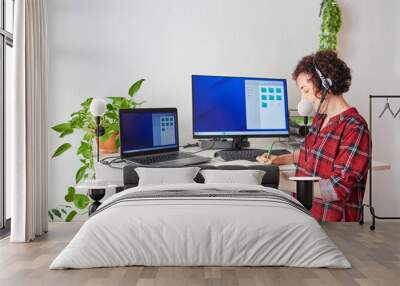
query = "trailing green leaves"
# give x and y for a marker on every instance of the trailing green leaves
(331, 22)
(64, 147)
(85, 149)
(80, 201)
(82, 120)
(50, 215)
(56, 212)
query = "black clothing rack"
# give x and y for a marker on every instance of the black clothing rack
(369, 205)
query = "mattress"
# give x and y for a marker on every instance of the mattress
(201, 225)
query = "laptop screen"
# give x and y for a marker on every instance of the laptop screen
(148, 131)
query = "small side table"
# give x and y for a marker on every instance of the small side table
(305, 190)
(96, 192)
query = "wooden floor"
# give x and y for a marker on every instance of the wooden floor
(375, 257)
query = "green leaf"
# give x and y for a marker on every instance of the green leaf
(81, 201)
(116, 100)
(114, 127)
(112, 115)
(87, 103)
(63, 127)
(80, 173)
(135, 87)
(69, 197)
(88, 137)
(64, 211)
(91, 164)
(71, 216)
(50, 215)
(106, 136)
(87, 154)
(84, 146)
(118, 141)
(85, 149)
(140, 103)
(64, 147)
(111, 107)
(56, 212)
(66, 206)
(62, 135)
(125, 104)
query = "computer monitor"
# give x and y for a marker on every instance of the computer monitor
(148, 131)
(239, 107)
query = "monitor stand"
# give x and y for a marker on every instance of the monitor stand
(240, 142)
(236, 143)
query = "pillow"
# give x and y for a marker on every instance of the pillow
(166, 176)
(248, 177)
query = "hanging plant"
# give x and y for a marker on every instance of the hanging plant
(84, 122)
(331, 22)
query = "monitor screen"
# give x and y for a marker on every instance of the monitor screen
(148, 131)
(239, 106)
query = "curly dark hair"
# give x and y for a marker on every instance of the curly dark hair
(330, 66)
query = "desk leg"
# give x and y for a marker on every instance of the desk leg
(305, 193)
(96, 195)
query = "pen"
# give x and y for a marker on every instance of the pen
(269, 151)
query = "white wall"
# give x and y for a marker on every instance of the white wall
(370, 42)
(98, 48)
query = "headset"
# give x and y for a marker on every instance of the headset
(326, 85)
(325, 81)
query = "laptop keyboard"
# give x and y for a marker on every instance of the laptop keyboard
(161, 158)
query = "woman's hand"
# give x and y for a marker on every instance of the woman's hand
(268, 160)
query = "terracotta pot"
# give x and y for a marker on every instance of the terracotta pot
(109, 146)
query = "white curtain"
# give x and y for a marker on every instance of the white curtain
(27, 121)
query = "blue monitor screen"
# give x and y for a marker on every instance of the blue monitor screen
(146, 131)
(239, 106)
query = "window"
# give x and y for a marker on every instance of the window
(6, 44)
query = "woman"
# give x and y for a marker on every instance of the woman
(337, 146)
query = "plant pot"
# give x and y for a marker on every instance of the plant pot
(109, 146)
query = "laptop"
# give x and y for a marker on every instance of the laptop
(149, 136)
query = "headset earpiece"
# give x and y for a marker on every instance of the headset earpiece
(326, 82)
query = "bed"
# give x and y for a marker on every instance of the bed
(198, 224)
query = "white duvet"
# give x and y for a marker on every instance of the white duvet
(200, 231)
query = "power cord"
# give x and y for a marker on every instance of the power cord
(204, 149)
(111, 160)
(189, 145)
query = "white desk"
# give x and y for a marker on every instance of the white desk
(287, 171)
(114, 176)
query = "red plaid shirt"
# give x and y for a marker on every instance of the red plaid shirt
(339, 155)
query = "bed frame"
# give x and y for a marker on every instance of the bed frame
(270, 179)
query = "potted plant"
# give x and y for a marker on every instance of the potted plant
(83, 121)
(331, 22)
